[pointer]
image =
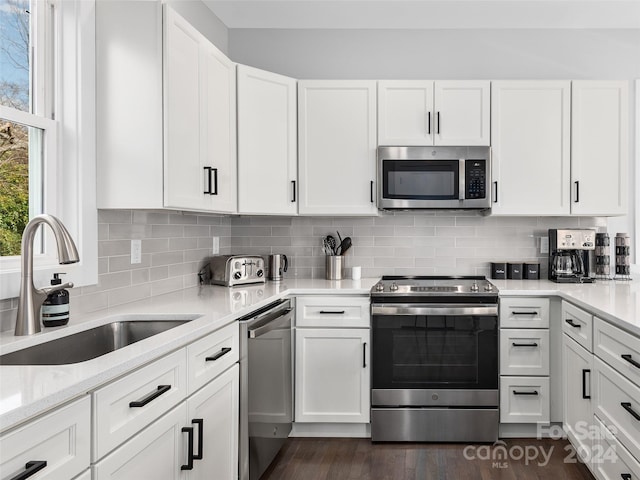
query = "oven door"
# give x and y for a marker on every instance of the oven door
(430, 355)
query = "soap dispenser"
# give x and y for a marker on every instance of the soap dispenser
(55, 309)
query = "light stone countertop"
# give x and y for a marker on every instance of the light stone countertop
(28, 391)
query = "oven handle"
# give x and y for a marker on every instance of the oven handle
(433, 309)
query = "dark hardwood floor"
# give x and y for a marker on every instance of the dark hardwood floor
(354, 458)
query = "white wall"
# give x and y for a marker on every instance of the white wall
(454, 54)
(205, 21)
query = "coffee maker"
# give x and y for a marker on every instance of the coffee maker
(571, 255)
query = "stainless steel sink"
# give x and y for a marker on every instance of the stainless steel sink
(89, 344)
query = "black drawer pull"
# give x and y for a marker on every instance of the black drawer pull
(625, 476)
(189, 465)
(329, 312)
(627, 407)
(364, 355)
(215, 182)
(152, 396)
(30, 469)
(524, 313)
(629, 359)
(200, 423)
(215, 357)
(572, 323)
(524, 344)
(533, 392)
(584, 383)
(208, 190)
(293, 186)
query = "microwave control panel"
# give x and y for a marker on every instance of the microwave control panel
(475, 173)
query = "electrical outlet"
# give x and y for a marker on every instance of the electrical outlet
(136, 251)
(216, 245)
(544, 244)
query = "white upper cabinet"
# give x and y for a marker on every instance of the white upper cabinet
(199, 120)
(165, 110)
(530, 142)
(599, 147)
(337, 147)
(267, 143)
(416, 112)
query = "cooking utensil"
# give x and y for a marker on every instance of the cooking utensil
(345, 245)
(331, 242)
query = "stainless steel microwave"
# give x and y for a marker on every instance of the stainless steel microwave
(434, 177)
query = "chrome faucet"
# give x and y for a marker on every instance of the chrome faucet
(31, 298)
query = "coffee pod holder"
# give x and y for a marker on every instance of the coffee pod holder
(603, 257)
(623, 256)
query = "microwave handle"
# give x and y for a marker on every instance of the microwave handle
(461, 179)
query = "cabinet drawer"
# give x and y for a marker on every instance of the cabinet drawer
(210, 356)
(524, 312)
(617, 402)
(578, 324)
(619, 349)
(610, 460)
(524, 399)
(524, 352)
(158, 387)
(61, 439)
(332, 312)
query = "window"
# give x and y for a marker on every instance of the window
(27, 131)
(47, 134)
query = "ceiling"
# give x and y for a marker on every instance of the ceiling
(427, 14)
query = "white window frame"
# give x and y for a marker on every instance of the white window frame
(64, 103)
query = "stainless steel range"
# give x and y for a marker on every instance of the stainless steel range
(434, 371)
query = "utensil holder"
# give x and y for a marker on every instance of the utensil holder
(334, 267)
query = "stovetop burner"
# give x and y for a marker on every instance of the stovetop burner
(433, 285)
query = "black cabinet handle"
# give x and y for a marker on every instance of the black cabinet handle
(495, 197)
(293, 187)
(429, 123)
(364, 355)
(625, 476)
(329, 312)
(627, 407)
(371, 191)
(30, 469)
(190, 458)
(152, 396)
(577, 191)
(215, 182)
(221, 353)
(524, 313)
(572, 323)
(584, 383)
(200, 423)
(533, 392)
(629, 359)
(438, 117)
(208, 190)
(524, 344)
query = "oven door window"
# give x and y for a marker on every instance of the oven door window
(430, 352)
(420, 179)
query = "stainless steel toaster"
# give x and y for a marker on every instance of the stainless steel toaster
(230, 270)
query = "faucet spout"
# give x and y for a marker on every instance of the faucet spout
(31, 298)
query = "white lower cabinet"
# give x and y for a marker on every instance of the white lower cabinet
(610, 460)
(55, 446)
(158, 452)
(524, 399)
(577, 367)
(332, 375)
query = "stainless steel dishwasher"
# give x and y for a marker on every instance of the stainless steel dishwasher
(266, 390)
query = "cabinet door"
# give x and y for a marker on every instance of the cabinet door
(267, 143)
(332, 375)
(405, 113)
(461, 112)
(157, 452)
(184, 178)
(530, 123)
(577, 365)
(216, 405)
(218, 128)
(337, 147)
(599, 147)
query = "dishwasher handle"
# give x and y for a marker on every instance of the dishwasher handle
(278, 322)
